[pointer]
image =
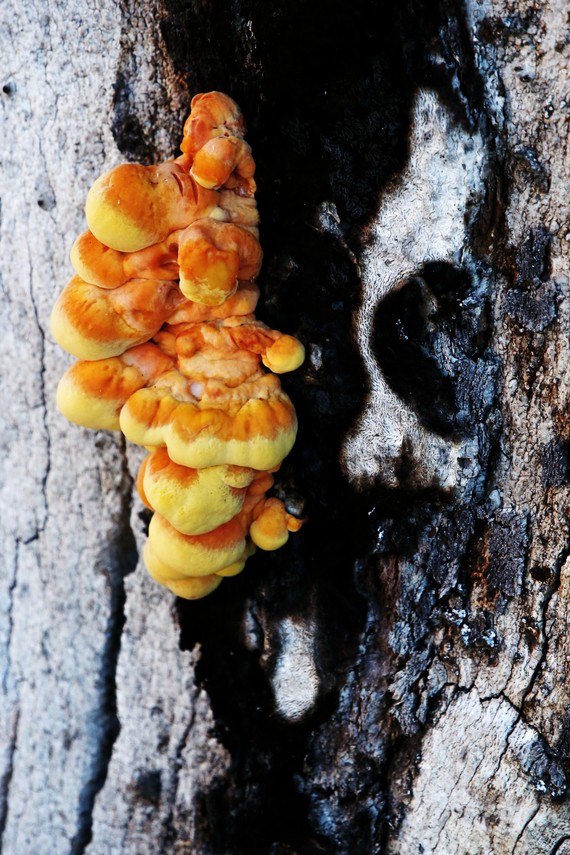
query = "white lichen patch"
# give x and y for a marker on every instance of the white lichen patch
(421, 219)
(295, 680)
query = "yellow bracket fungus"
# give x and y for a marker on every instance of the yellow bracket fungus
(160, 315)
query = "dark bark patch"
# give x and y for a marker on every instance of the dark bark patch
(444, 564)
(532, 633)
(554, 464)
(403, 345)
(498, 555)
(526, 160)
(533, 258)
(128, 130)
(429, 338)
(534, 309)
(545, 770)
(507, 545)
(478, 632)
(532, 299)
(542, 574)
(503, 29)
(147, 786)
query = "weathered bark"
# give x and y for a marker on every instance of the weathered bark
(394, 679)
(69, 522)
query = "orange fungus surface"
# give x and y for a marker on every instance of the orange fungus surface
(160, 316)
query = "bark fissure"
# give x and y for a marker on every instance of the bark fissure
(508, 734)
(7, 772)
(10, 615)
(7, 679)
(549, 594)
(7, 775)
(559, 843)
(120, 559)
(524, 828)
(41, 524)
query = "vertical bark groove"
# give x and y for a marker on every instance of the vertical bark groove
(119, 560)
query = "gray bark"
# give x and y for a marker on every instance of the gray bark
(69, 517)
(512, 711)
(431, 715)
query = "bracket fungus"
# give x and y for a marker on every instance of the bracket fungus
(160, 315)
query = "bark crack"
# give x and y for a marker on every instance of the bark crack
(10, 615)
(120, 560)
(7, 775)
(558, 844)
(520, 707)
(553, 588)
(41, 524)
(524, 828)
(509, 733)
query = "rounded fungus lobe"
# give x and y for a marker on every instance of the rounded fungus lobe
(134, 206)
(160, 315)
(285, 354)
(239, 304)
(93, 323)
(259, 434)
(194, 501)
(212, 114)
(225, 160)
(201, 554)
(92, 393)
(213, 256)
(188, 587)
(271, 528)
(100, 265)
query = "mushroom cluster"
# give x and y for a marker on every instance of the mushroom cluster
(160, 315)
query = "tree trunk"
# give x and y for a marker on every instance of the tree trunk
(394, 679)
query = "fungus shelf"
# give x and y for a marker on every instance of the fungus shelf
(160, 315)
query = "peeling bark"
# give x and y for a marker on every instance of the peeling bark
(395, 679)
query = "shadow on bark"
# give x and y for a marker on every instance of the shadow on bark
(327, 95)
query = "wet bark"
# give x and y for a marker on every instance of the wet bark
(394, 680)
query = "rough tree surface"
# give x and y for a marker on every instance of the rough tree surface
(394, 680)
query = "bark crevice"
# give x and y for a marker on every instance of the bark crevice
(43, 404)
(118, 560)
(7, 773)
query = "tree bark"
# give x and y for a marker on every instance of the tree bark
(394, 680)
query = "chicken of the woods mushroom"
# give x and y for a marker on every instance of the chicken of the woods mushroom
(160, 315)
